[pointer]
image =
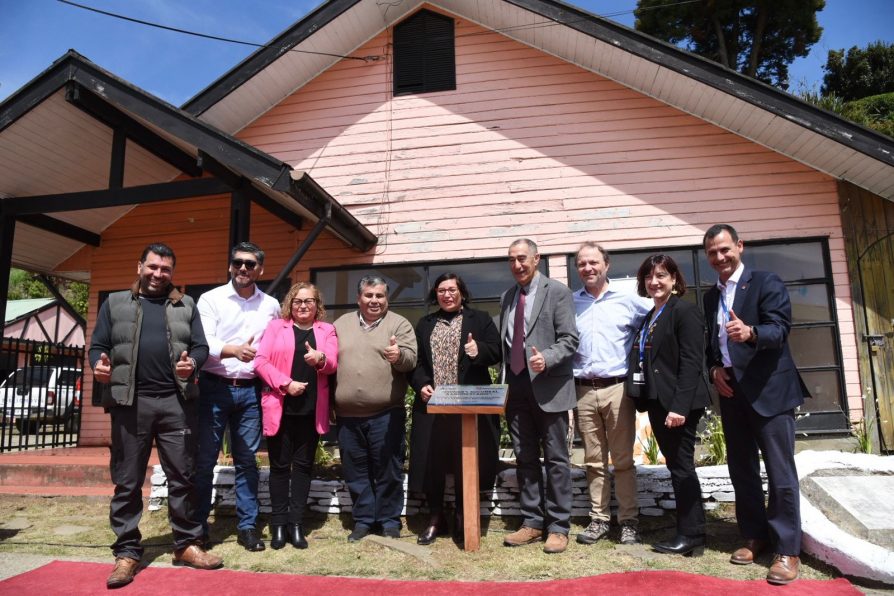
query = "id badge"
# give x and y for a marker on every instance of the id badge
(638, 378)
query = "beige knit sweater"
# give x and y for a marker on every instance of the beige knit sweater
(367, 384)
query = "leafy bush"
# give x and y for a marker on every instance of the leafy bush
(713, 440)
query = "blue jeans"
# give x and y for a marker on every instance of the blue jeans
(239, 408)
(372, 453)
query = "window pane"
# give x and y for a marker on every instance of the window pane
(483, 280)
(825, 389)
(340, 287)
(810, 303)
(813, 346)
(791, 262)
(625, 265)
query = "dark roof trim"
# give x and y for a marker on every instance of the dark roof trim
(315, 199)
(263, 57)
(757, 93)
(240, 157)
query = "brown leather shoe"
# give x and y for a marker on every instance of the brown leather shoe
(745, 555)
(784, 570)
(524, 535)
(555, 543)
(195, 556)
(125, 569)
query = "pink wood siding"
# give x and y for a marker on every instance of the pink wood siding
(530, 145)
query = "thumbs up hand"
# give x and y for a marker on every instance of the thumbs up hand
(246, 352)
(738, 330)
(102, 370)
(312, 357)
(392, 352)
(536, 362)
(471, 347)
(185, 366)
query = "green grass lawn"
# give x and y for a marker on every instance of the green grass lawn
(78, 527)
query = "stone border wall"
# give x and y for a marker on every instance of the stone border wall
(655, 493)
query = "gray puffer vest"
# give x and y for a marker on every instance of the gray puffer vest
(127, 317)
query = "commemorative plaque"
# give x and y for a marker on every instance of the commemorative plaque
(469, 401)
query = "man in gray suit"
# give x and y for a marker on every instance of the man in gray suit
(539, 341)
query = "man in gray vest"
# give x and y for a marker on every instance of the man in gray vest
(147, 345)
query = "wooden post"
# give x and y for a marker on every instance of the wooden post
(470, 488)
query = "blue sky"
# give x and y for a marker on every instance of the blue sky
(175, 67)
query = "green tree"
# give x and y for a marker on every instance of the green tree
(862, 72)
(759, 38)
(23, 284)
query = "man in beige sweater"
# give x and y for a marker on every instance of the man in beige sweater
(376, 348)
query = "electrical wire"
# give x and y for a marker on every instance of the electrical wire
(527, 26)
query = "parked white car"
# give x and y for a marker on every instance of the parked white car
(35, 396)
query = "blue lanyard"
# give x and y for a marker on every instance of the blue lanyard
(723, 304)
(642, 336)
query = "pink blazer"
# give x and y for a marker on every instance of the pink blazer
(273, 364)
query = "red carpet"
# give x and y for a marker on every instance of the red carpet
(63, 577)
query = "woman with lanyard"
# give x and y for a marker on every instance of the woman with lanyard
(667, 371)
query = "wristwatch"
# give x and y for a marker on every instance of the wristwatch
(322, 361)
(753, 334)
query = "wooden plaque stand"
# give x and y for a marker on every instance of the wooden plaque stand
(471, 496)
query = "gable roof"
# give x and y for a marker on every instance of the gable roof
(756, 111)
(57, 134)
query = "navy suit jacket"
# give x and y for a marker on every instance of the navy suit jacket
(764, 370)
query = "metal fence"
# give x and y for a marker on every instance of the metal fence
(40, 394)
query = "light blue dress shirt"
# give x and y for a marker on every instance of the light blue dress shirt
(607, 326)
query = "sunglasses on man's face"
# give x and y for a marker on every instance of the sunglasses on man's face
(239, 263)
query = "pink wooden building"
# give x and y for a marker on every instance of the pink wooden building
(422, 137)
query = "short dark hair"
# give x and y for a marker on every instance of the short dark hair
(249, 247)
(460, 284)
(531, 244)
(719, 229)
(669, 265)
(371, 279)
(597, 246)
(162, 250)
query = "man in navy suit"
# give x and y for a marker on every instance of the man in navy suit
(749, 315)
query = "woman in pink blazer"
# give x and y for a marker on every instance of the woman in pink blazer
(296, 355)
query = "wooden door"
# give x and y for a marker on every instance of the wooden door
(877, 276)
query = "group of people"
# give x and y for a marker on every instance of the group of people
(182, 373)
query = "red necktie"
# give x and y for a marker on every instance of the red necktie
(517, 354)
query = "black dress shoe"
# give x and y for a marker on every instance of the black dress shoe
(250, 539)
(277, 536)
(437, 526)
(688, 546)
(296, 536)
(359, 533)
(391, 533)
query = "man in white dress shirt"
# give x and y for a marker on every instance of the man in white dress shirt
(234, 316)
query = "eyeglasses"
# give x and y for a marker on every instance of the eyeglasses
(451, 291)
(239, 263)
(305, 302)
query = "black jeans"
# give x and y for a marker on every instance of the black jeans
(292, 450)
(169, 420)
(678, 446)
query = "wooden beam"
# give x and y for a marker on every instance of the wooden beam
(116, 167)
(100, 108)
(7, 232)
(60, 228)
(134, 195)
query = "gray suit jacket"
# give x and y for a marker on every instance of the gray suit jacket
(552, 330)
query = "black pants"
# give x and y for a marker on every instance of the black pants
(546, 508)
(678, 446)
(292, 450)
(746, 432)
(169, 420)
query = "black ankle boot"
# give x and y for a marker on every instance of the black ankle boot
(688, 546)
(277, 536)
(296, 536)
